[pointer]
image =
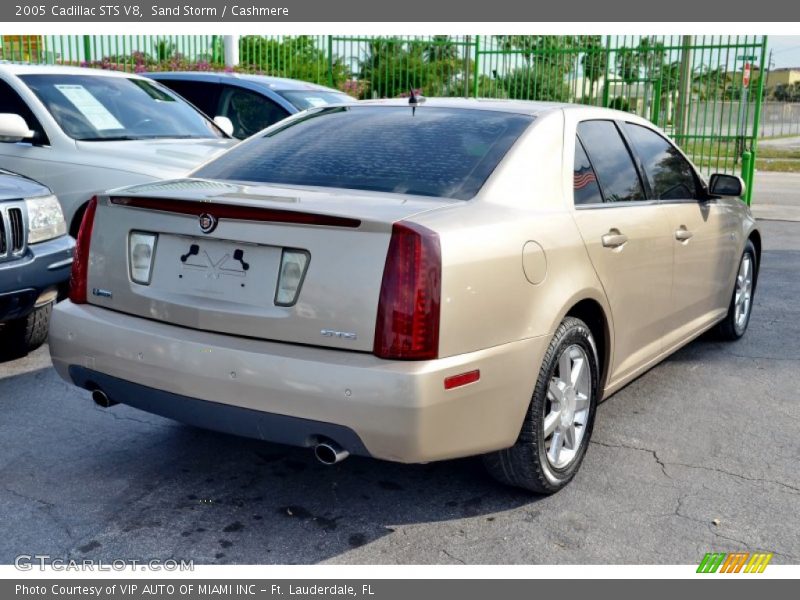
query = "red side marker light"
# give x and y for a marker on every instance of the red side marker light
(462, 379)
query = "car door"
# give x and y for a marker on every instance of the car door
(30, 157)
(702, 229)
(628, 240)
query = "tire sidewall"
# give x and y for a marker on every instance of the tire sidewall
(748, 250)
(577, 334)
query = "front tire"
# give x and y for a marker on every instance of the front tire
(558, 425)
(21, 336)
(735, 323)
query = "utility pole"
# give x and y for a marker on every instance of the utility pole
(767, 70)
(684, 89)
(231, 44)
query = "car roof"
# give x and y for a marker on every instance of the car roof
(267, 81)
(26, 69)
(524, 107)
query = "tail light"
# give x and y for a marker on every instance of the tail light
(407, 327)
(80, 262)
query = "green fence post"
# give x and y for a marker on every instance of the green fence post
(87, 48)
(756, 122)
(605, 75)
(655, 110)
(747, 171)
(330, 61)
(476, 67)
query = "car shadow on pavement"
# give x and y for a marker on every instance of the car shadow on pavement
(81, 482)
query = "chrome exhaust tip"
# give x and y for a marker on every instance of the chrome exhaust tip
(101, 399)
(330, 453)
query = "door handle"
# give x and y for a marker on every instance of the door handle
(614, 239)
(683, 234)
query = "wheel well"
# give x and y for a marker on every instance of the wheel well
(755, 237)
(591, 313)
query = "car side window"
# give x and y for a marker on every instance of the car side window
(670, 174)
(204, 95)
(585, 187)
(612, 162)
(11, 102)
(248, 111)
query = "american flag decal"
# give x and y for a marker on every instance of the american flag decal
(583, 178)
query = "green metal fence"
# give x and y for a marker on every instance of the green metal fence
(692, 86)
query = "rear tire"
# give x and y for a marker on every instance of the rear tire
(557, 428)
(735, 323)
(24, 335)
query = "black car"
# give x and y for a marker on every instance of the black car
(251, 102)
(35, 260)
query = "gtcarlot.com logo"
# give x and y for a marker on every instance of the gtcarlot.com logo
(28, 562)
(736, 562)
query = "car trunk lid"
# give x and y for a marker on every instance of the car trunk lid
(224, 275)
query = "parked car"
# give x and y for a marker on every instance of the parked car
(35, 261)
(82, 131)
(251, 102)
(411, 283)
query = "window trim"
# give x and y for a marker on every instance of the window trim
(637, 160)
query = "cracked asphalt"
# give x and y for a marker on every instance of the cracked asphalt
(699, 454)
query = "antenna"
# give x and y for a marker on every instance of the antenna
(414, 101)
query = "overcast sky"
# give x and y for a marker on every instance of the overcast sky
(785, 50)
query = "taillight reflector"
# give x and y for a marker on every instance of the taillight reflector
(462, 379)
(80, 262)
(407, 327)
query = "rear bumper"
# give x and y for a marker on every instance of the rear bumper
(44, 267)
(293, 394)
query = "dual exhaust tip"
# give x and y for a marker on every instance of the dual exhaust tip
(327, 452)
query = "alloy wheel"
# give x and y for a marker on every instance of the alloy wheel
(744, 293)
(567, 407)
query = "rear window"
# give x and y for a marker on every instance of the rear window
(304, 99)
(442, 152)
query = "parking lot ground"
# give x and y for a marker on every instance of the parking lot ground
(776, 196)
(699, 454)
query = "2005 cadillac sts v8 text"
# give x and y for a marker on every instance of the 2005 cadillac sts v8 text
(410, 281)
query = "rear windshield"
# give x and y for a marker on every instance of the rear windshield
(442, 152)
(304, 99)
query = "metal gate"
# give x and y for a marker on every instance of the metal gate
(694, 87)
(705, 91)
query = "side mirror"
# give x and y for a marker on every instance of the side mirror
(721, 184)
(13, 128)
(225, 124)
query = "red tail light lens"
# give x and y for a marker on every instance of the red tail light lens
(80, 262)
(408, 310)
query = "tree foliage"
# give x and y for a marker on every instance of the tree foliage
(392, 67)
(298, 57)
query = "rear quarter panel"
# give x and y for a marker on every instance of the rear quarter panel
(487, 300)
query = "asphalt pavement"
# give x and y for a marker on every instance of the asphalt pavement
(699, 454)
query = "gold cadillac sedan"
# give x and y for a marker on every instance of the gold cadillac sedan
(410, 281)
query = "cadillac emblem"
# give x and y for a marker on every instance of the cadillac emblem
(208, 223)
